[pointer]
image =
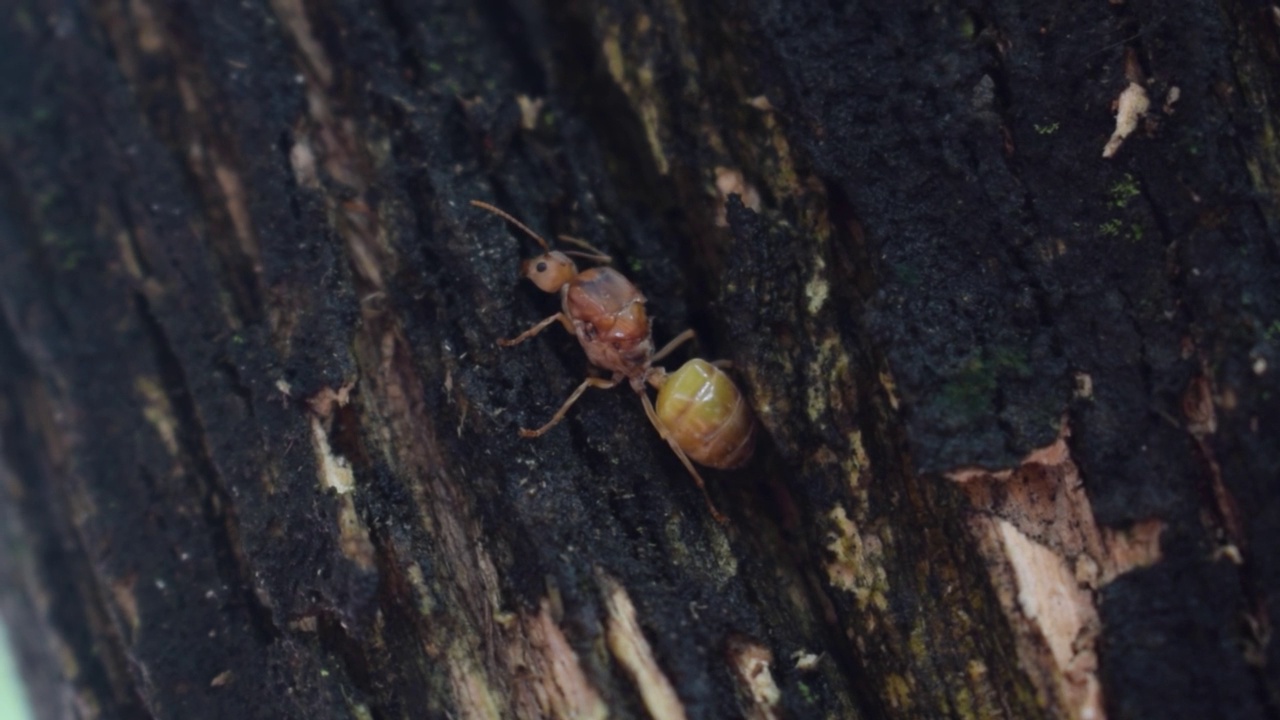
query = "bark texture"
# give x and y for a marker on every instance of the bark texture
(258, 450)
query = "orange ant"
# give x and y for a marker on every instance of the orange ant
(701, 413)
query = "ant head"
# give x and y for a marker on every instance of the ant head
(550, 271)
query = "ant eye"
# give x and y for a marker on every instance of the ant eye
(541, 267)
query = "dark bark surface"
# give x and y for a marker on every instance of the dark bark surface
(258, 450)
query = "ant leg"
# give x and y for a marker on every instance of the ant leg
(568, 324)
(676, 342)
(592, 252)
(723, 364)
(588, 383)
(688, 464)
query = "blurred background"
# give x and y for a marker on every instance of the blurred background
(13, 700)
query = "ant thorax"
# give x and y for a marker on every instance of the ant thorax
(610, 321)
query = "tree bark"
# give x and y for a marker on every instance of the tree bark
(1001, 281)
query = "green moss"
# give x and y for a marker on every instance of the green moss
(71, 260)
(963, 703)
(906, 274)
(969, 393)
(24, 21)
(1123, 191)
(45, 201)
(1006, 359)
(1048, 129)
(806, 693)
(1112, 228)
(63, 250)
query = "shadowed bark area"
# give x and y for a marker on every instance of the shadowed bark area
(258, 444)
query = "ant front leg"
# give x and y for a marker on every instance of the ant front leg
(590, 382)
(688, 464)
(564, 320)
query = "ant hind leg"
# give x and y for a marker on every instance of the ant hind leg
(688, 464)
(590, 382)
(676, 342)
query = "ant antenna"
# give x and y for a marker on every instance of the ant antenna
(507, 216)
(592, 254)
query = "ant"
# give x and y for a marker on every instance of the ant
(701, 413)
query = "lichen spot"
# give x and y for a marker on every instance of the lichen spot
(335, 471)
(158, 412)
(855, 561)
(817, 289)
(611, 48)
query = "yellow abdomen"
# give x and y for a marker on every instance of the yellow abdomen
(707, 415)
